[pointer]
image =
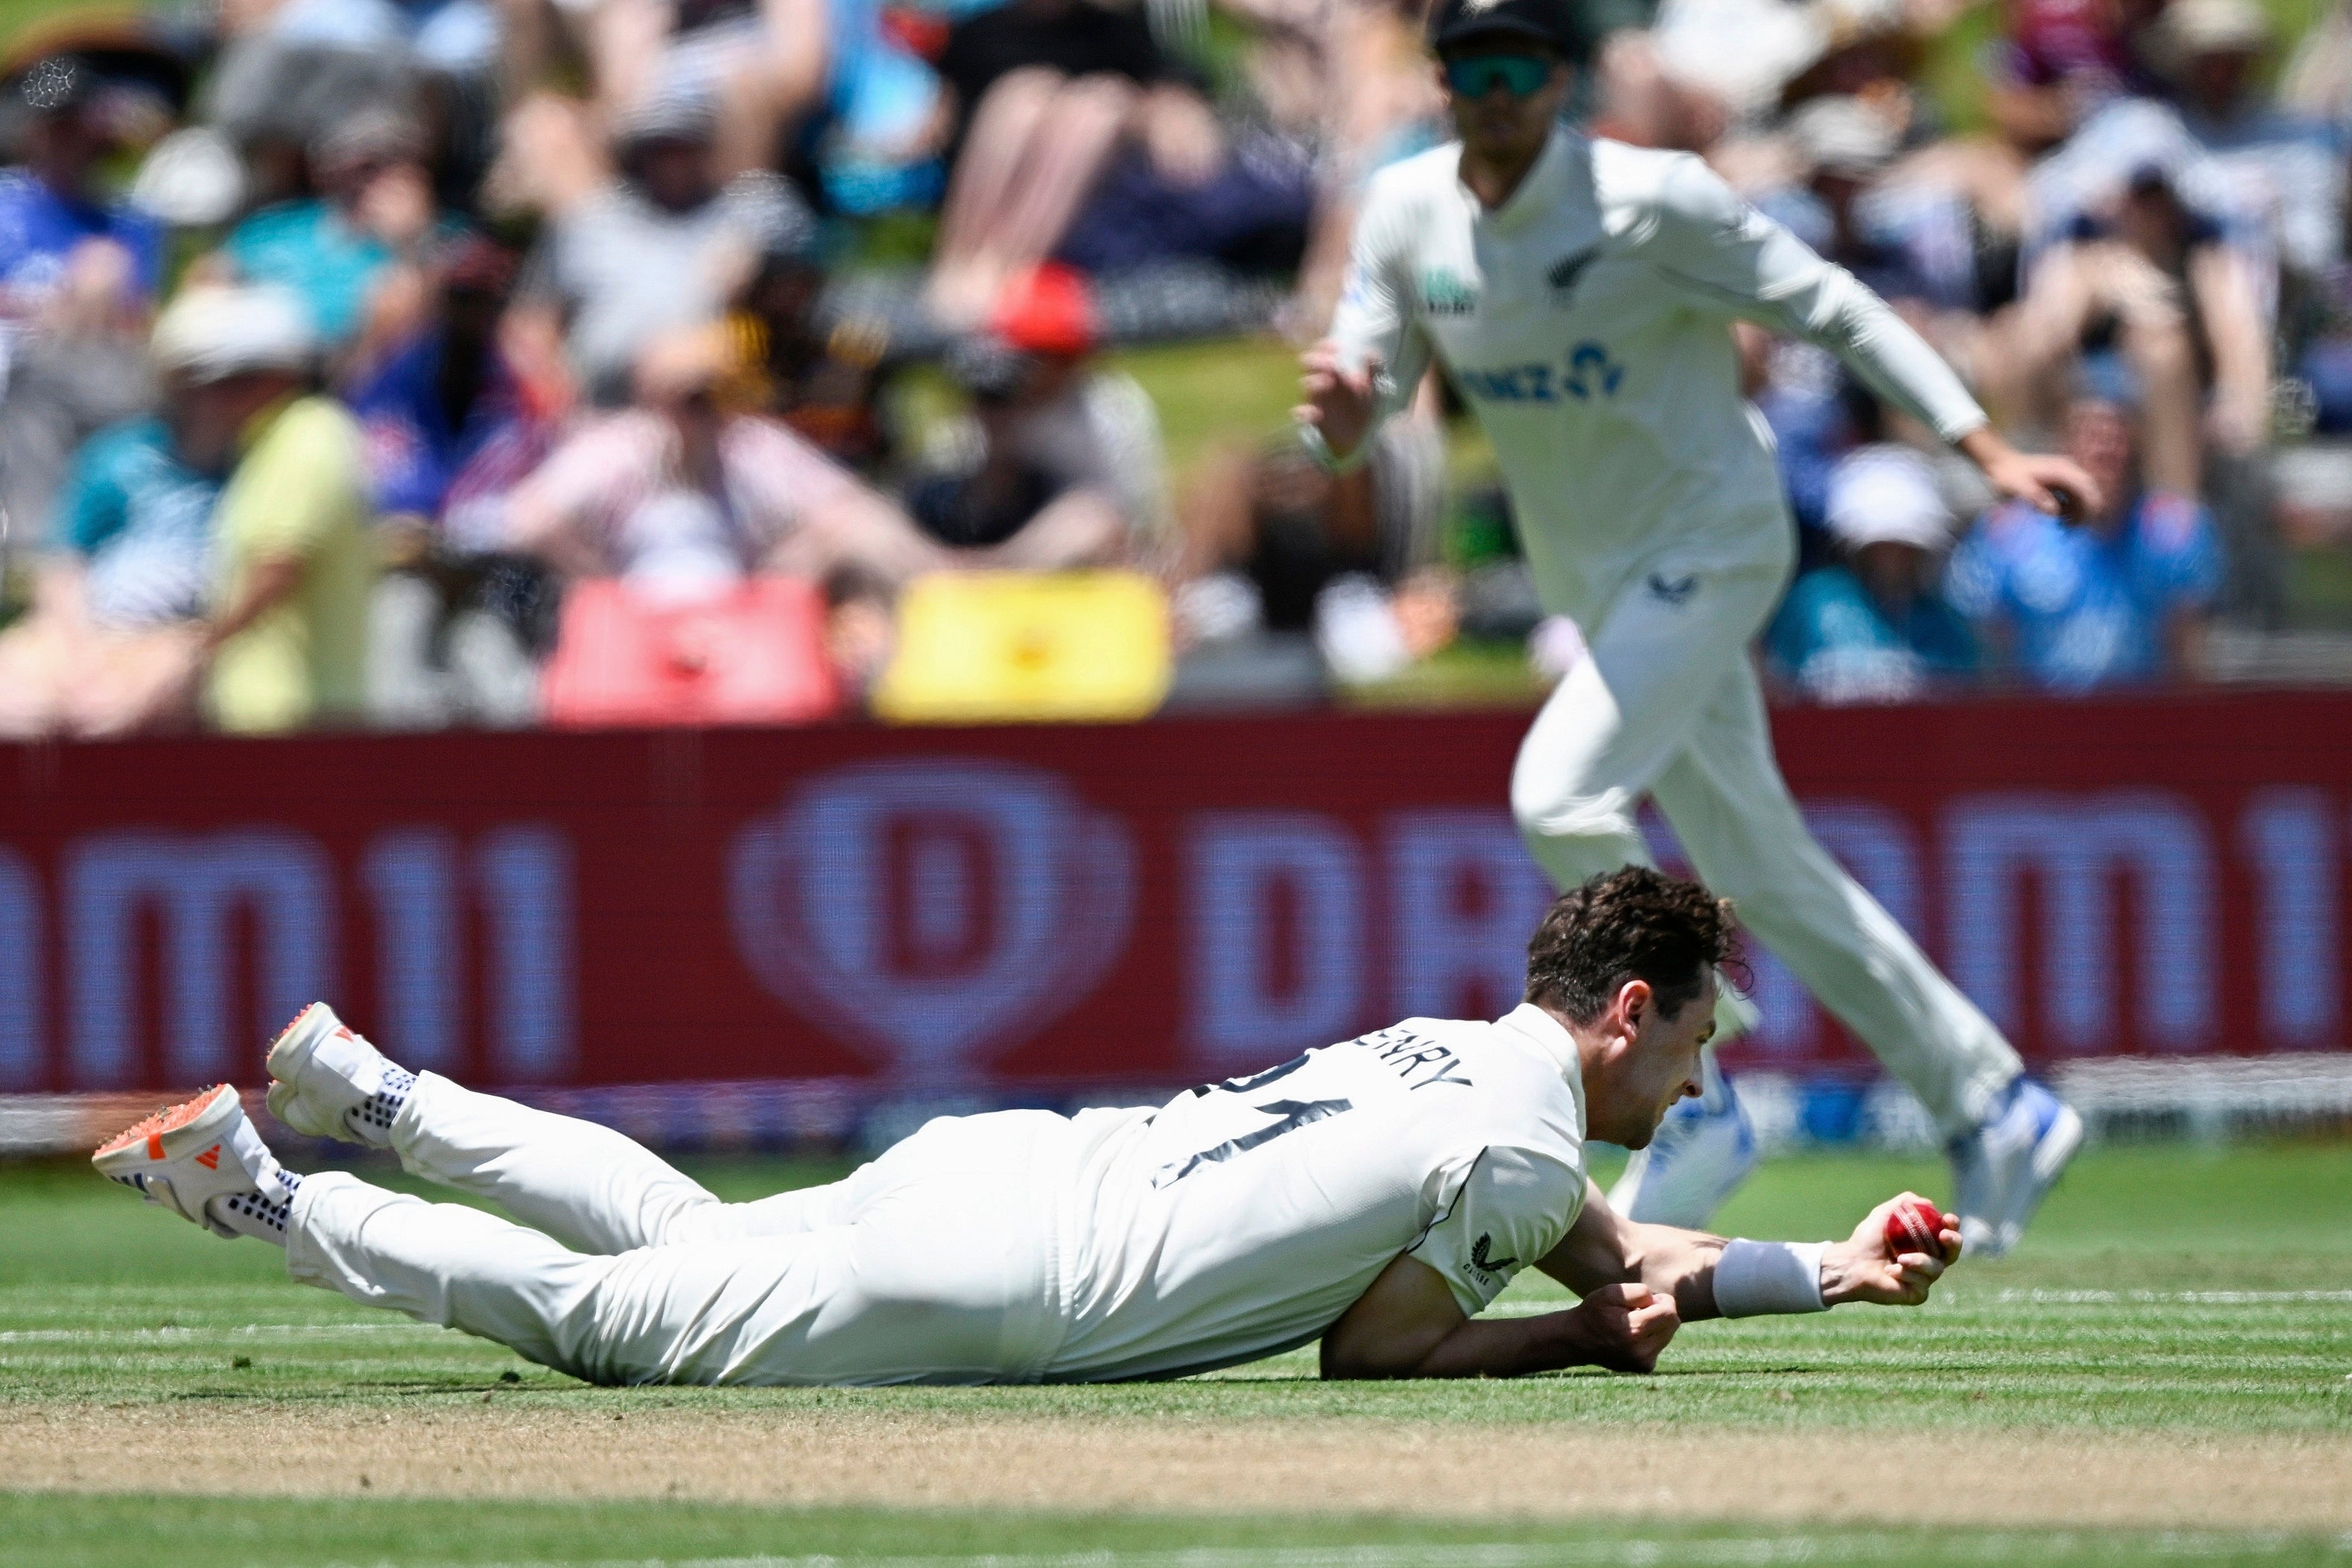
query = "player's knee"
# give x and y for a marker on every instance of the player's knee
(1546, 812)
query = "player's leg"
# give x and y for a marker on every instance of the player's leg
(1748, 841)
(944, 1276)
(1623, 714)
(591, 1189)
(1616, 722)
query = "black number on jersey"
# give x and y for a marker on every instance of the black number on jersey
(1256, 1081)
(1293, 1114)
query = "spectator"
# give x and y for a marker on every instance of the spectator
(1284, 530)
(2059, 59)
(284, 643)
(1005, 496)
(2120, 598)
(682, 499)
(2186, 308)
(334, 251)
(664, 247)
(452, 625)
(443, 392)
(50, 207)
(2286, 166)
(1047, 92)
(78, 275)
(819, 377)
(1051, 432)
(1873, 625)
(108, 645)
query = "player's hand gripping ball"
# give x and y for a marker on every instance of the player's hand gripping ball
(1917, 1225)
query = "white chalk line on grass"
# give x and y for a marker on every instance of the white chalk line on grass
(1760, 1552)
(177, 1334)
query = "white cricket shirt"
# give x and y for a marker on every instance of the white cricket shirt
(1242, 1218)
(1587, 321)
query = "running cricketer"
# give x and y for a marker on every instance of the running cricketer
(1581, 293)
(1377, 1194)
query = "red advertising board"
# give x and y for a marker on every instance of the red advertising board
(1148, 904)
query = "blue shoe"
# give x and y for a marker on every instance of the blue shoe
(1703, 1150)
(2003, 1171)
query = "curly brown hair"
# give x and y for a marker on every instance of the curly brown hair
(1632, 924)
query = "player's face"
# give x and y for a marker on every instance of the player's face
(1659, 1066)
(1504, 93)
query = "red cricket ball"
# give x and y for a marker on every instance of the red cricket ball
(1915, 1226)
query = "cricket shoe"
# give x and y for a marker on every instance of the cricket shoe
(329, 1082)
(205, 1161)
(2003, 1171)
(1702, 1151)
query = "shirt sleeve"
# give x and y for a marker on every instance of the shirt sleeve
(1715, 246)
(1374, 322)
(1510, 1210)
(776, 479)
(599, 469)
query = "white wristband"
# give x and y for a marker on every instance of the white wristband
(1310, 437)
(1753, 1278)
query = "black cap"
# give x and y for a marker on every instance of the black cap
(1545, 22)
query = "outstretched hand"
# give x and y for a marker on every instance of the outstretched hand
(1624, 1327)
(1866, 1267)
(1341, 398)
(2043, 480)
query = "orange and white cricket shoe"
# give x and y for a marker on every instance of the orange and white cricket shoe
(205, 1161)
(329, 1082)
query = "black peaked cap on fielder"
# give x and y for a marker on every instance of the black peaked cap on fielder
(1545, 22)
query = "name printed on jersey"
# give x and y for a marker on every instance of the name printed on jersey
(1412, 1056)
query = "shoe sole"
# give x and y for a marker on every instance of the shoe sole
(169, 1133)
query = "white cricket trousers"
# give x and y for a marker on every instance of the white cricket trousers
(934, 1263)
(1666, 705)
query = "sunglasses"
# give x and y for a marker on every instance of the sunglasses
(1519, 75)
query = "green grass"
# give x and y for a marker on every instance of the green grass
(2166, 1289)
(108, 1532)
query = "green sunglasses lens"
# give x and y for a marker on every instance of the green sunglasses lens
(1475, 78)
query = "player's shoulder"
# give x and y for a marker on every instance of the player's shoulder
(1641, 189)
(1409, 189)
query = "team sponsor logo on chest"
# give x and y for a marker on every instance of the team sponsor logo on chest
(1589, 371)
(1444, 292)
(1421, 1062)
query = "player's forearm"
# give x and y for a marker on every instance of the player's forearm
(1604, 1248)
(1486, 1347)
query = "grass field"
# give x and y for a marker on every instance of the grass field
(2165, 1370)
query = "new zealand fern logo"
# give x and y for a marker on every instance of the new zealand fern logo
(1484, 1264)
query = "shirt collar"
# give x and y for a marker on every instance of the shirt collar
(1547, 1035)
(1535, 191)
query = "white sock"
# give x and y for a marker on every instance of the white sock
(262, 1212)
(371, 1120)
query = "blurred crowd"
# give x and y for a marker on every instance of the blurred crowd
(420, 362)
